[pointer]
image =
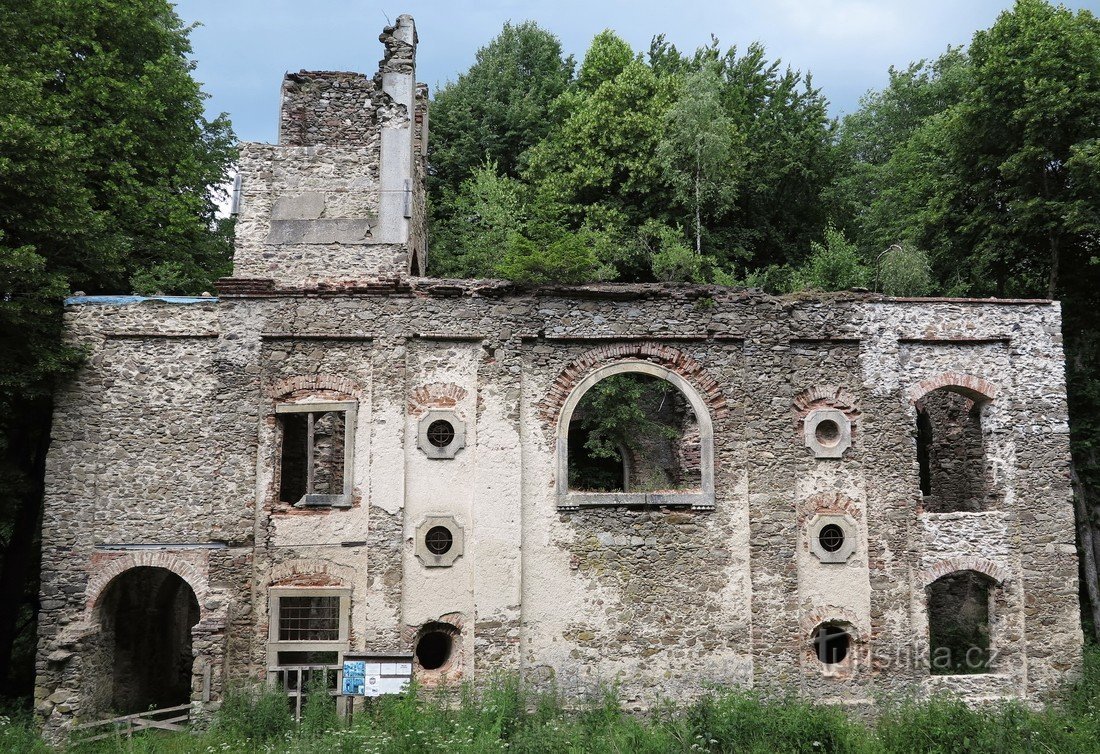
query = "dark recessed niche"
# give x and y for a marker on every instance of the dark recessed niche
(827, 433)
(831, 643)
(441, 433)
(831, 537)
(438, 540)
(433, 650)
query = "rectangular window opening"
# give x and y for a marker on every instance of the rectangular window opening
(309, 619)
(314, 454)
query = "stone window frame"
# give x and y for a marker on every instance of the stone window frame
(275, 646)
(701, 500)
(818, 416)
(429, 559)
(851, 537)
(350, 411)
(448, 451)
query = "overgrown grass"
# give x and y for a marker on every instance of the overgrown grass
(506, 718)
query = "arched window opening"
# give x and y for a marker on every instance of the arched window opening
(959, 623)
(436, 647)
(951, 453)
(831, 643)
(634, 432)
(146, 616)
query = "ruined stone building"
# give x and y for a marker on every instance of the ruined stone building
(842, 495)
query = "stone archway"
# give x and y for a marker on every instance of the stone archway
(146, 615)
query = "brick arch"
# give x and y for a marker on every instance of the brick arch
(835, 615)
(308, 572)
(435, 395)
(832, 396)
(968, 385)
(946, 567)
(289, 385)
(97, 585)
(672, 359)
(831, 502)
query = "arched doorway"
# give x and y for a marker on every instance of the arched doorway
(146, 615)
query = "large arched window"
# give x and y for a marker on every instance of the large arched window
(635, 433)
(954, 471)
(951, 453)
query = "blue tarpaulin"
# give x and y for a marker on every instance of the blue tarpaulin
(123, 300)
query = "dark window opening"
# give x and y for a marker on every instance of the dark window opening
(831, 537)
(954, 474)
(594, 472)
(308, 658)
(958, 624)
(312, 455)
(309, 619)
(827, 433)
(634, 433)
(441, 433)
(924, 442)
(831, 643)
(433, 650)
(438, 540)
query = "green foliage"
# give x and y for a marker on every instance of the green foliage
(835, 265)
(619, 410)
(253, 714)
(18, 736)
(106, 168)
(699, 149)
(507, 717)
(600, 166)
(670, 258)
(607, 57)
(904, 271)
(753, 724)
(319, 710)
(482, 218)
(552, 256)
(949, 726)
(499, 108)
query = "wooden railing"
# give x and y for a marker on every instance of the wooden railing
(168, 718)
(298, 680)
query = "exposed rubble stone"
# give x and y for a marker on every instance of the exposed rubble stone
(166, 451)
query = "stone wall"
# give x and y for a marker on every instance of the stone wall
(661, 601)
(167, 453)
(341, 196)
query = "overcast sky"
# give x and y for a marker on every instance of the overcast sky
(243, 47)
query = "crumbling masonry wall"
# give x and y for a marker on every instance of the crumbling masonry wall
(659, 600)
(167, 449)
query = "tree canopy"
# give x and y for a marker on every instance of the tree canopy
(106, 169)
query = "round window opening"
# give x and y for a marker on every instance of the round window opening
(831, 537)
(831, 644)
(433, 650)
(438, 540)
(827, 433)
(441, 433)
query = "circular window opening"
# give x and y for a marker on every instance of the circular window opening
(831, 537)
(441, 433)
(438, 540)
(433, 650)
(831, 644)
(827, 432)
